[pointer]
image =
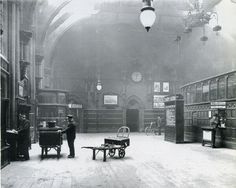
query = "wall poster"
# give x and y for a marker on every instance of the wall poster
(158, 101)
(170, 116)
(157, 87)
(166, 87)
(110, 99)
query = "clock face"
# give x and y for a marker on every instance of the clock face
(136, 76)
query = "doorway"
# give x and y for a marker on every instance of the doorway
(132, 119)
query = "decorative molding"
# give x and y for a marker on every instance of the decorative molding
(38, 59)
(23, 69)
(25, 35)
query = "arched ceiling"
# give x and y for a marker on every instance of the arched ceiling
(108, 34)
(57, 16)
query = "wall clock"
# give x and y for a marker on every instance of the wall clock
(136, 76)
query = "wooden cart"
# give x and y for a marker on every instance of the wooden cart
(113, 144)
(50, 138)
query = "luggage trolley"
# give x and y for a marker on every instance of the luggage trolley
(120, 142)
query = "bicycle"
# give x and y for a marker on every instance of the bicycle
(152, 129)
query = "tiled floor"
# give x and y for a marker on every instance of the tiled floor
(149, 162)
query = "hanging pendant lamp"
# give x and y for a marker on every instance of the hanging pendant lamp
(147, 16)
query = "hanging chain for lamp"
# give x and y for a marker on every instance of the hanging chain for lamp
(204, 38)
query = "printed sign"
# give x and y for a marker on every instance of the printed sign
(110, 99)
(216, 105)
(166, 87)
(207, 135)
(170, 116)
(158, 101)
(75, 106)
(157, 87)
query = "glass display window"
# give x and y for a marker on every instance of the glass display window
(213, 89)
(231, 86)
(199, 93)
(205, 91)
(221, 88)
(61, 98)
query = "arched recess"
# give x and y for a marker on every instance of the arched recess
(84, 10)
(53, 15)
(134, 113)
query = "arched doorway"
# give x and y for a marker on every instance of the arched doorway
(132, 119)
(134, 113)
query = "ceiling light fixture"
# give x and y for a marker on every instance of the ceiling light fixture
(99, 85)
(217, 27)
(147, 16)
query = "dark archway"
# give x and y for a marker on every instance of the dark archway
(134, 111)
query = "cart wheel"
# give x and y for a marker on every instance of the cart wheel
(121, 153)
(112, 152)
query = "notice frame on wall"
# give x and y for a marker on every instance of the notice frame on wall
(110, 99)
(170, 115)
(157, 87)
(166, 87)
(158, 101)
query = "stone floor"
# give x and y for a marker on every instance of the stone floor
(149, 162)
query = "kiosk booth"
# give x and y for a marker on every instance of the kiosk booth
(214, 135)
(174, 129)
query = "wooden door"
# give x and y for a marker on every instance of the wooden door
(132, 119)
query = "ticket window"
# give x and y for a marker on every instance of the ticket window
(222, 117)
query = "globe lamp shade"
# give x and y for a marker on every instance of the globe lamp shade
(147, 17)
(99, 86)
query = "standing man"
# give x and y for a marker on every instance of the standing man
(23, 137)
(214, 121)
(71, 134)
(159, 125)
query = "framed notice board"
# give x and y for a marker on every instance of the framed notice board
(174, 129)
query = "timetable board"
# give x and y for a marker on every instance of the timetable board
(170, 115)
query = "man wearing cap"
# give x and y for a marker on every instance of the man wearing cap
(70, 133)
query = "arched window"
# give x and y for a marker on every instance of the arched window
(221, 88)
(213, 89)
(193, 93)
(199, 93)
(231, 86)
(205, 91)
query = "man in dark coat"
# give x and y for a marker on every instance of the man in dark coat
(71, 134)
(23, 137)
(214, 121)
(158, 122)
